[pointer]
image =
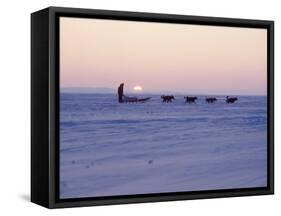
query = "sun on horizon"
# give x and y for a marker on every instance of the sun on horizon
(137, 88)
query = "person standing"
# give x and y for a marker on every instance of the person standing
(121, 93)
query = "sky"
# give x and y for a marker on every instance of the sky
(162, 57)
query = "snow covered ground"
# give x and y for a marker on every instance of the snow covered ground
(107, 148)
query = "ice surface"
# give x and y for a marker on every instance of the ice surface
(107, 148)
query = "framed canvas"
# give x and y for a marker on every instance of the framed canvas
(132, 107)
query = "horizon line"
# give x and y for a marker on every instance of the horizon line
(166, 93)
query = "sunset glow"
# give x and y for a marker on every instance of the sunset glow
(164, 57)
(138, 88)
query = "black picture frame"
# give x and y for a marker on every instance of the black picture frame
(45, 106)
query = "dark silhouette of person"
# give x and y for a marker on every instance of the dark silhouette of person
(121, 93)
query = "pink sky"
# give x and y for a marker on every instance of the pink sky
(162, 57)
